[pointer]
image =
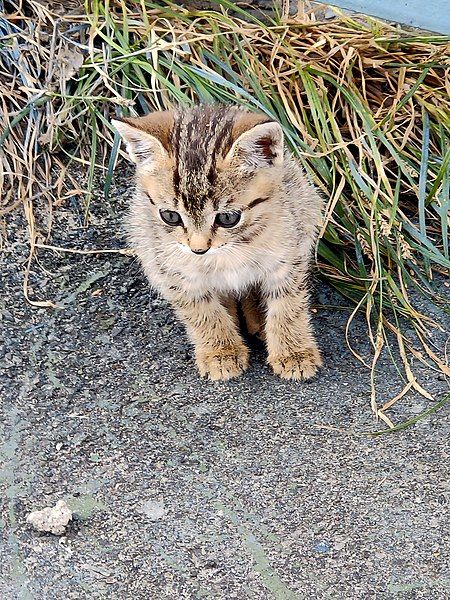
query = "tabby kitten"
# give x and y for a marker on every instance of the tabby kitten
(222, 213)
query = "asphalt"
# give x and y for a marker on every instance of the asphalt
(183, 488)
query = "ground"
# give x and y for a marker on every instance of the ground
(183, 488)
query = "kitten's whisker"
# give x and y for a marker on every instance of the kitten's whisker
(155, 256)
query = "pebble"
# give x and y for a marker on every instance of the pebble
(321, 547)
(51, 519)
(154, 510)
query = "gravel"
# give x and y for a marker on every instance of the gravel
(184, 488)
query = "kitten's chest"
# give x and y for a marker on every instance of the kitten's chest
(225, 275)
(233, 280)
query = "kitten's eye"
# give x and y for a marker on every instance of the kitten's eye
(170, 217)
(229, 219)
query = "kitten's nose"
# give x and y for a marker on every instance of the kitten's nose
(199, 242)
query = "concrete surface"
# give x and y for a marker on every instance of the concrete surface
(257, 488)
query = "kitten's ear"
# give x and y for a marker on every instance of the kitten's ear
(259, 145)
(146, 138)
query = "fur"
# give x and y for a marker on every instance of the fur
(215, 159)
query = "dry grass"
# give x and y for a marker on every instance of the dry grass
(365, 106)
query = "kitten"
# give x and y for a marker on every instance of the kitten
(223, 213)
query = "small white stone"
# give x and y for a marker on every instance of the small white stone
(154, 510)
(51, 519)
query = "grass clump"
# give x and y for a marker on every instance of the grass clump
(365, 106)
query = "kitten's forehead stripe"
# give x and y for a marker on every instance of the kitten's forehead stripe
(199, 136)
(257, 201)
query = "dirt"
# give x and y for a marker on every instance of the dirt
(184, 488)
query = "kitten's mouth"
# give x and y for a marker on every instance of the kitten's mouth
(206, 252)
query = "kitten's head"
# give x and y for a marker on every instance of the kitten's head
(207, 174)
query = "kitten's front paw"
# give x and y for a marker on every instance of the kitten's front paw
(223, 363)
(302, 364)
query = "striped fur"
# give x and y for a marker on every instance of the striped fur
(214, 159)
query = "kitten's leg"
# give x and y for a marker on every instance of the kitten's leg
(253, 314)
(219, 349)
(230, 304)
(292, 349)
